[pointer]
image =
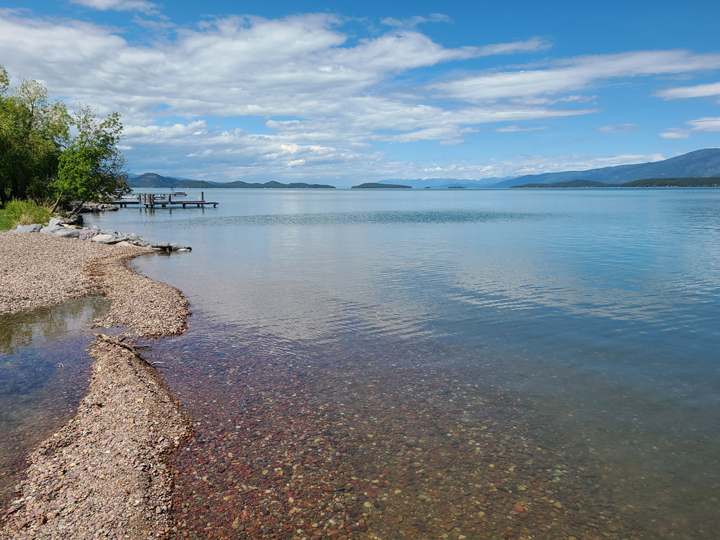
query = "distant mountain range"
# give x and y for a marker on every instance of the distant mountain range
(648, 182)
(698, 164)
(152, 180)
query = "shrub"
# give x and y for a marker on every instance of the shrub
(26, 213)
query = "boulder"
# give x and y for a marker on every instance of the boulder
(127, 244)
(56, 221)
(179, 247)
(35, 227)
(111, 233)
(51, 228)
(88, 234)
(105, 239)
(137, 240)
(76, 219)
(66, 232)
(162, 246)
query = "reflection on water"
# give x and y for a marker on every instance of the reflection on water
(330, 219)
(43, 375)
(18, 330)
(597, 310)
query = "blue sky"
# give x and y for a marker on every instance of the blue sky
(337, 92)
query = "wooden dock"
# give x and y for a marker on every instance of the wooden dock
(164, 200)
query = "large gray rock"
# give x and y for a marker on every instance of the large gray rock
(127, 244)
(88, 234)
(51, 228)
(179, 247)
(105, 239)
(35, 227)
(137, 240)
(76, 219)
(111, 233)
(66, 232)
(56, 221)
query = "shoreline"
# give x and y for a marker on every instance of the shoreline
(102, 474)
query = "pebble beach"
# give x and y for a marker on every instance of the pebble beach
(102, 474)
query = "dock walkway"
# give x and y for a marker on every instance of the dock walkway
(164, 200)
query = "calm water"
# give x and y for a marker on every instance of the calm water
(449, 355)
(44, 374)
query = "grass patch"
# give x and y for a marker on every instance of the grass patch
(25, 213)
(5, 222)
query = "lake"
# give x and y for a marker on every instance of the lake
(455, 363)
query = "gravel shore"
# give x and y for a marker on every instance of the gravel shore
(40, 270)
(102, 475)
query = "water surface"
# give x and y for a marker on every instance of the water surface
(44, 372)
(397, 327)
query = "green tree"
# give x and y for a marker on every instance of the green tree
(92, 168)
(33, 132)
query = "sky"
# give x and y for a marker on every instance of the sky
(339, 92)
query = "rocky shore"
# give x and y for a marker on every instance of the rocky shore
(102, 475)
(72, 228)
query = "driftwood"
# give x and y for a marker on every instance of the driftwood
(132, 348)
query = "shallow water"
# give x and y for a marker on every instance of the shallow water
(571, 335)
(44, 372)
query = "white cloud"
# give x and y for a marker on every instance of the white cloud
(236, 155)
(164, 133)
(514, 129)
(328, 102)
(701, 124)
(618, 128)
(412, 22)
(675, 133)
(530, 45)
(573, 74)
(297, 66)
(705, 124)
(452, 142)
(118, 5)
(684, 92)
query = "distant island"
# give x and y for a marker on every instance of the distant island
(441, 183)
(648, 182)
(152, 180)
(376, 185)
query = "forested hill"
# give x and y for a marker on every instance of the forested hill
(698, 164)
(152, 180)
(378, 185)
